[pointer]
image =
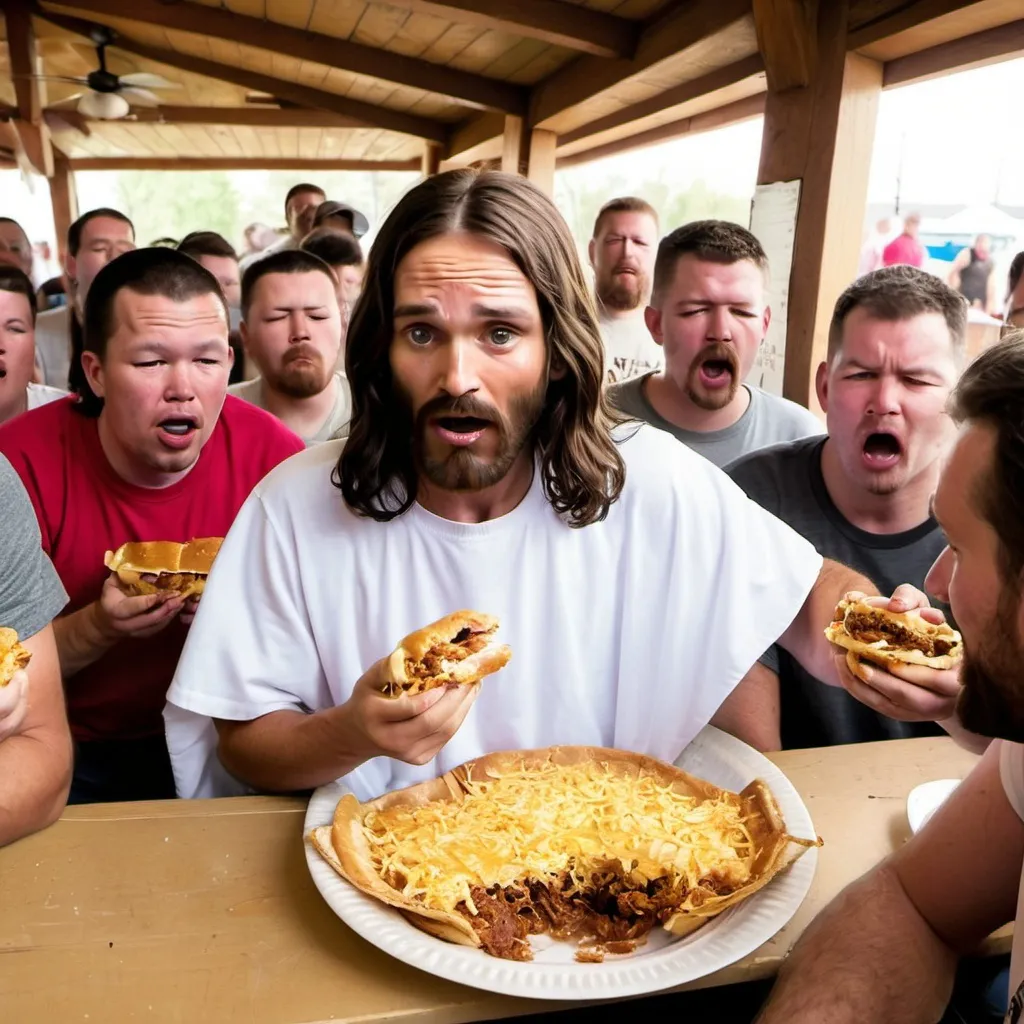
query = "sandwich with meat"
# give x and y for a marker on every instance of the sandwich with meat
(457, 650)
(12, 655)
(152, 567)
(877, 635)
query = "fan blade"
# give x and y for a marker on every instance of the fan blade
(73, 98)
(54, 78)
(140, 97)
(145, 80)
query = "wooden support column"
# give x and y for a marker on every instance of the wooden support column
(530, 153)
(64, 199)
(822, 134)
(512, 155)
(431, 159)
(33, 134)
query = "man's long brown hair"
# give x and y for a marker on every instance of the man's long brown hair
(582, 470)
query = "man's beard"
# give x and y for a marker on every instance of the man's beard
(300, 380)
(623, 292)
(991, 702)
(719, 398)
(460, 469)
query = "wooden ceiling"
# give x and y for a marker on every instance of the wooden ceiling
(343, 82)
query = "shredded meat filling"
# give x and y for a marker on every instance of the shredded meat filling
(169, 580)
(453, 650)
(871, 630)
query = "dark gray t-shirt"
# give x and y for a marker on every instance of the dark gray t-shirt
(786, 480)
(31, 595)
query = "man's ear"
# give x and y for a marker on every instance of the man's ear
(243, 333)
(591, 249)
(558, 369)
(821, 385)
(93, 367)
(766, 321)
(652, 317)
(70, 265)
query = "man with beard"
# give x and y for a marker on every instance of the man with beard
(15, 248)
(622, 257)
(153, 450)
(291, 329)
(709, 313)
(861, 495)
(485, 470)
(886, 948)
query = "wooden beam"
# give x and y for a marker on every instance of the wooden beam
(431, 160)
(721, 78)
(995, 44)
(540, 168)
(469, 140)
(254, 117)
(216, 23)
(216, 163)
(551, 21)
(720, 117)
(787, 39)
(823, 136)
(21, 49)
(898, 16)
(514, 156)
(691, 26)
(64, 199)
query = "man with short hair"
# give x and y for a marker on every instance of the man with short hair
(485, 470)
(151, 451)
(622, 257)
(35, 746)
(973, 275)
(905, 247)
(709, 313)
(15, 248)
(342, 253)
(340, 217)
(861, 495)
(291, 329)
(300, 206)
(96, 238)
(886, 948)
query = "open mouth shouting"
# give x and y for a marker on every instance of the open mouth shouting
(882, 450)
(460, 431)
(177, 432)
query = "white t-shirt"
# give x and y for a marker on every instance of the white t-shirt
(334, 428)
(1011, 771)
(629, 349)
(627, 633)
(43, 394)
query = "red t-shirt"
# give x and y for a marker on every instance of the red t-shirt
(904, 249)
(85, 509)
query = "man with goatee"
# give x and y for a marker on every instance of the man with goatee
(291, 329)
(885, 950)
(622, 256)
(709, 313)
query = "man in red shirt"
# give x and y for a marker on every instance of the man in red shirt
(905, 248)
(152, 449)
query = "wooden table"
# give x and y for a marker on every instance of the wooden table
(184, 912)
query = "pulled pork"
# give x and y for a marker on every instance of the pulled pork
(870, 629)
(458, 648)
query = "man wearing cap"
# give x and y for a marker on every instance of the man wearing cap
(340, 217)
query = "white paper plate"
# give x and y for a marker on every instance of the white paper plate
(662, 963)
(926, 799)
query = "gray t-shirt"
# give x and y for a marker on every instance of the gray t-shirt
(767, 420)
(334, 428)
(786, 480)
(31, 595)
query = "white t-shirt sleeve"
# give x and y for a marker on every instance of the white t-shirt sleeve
(250, 650)
(1011, 772)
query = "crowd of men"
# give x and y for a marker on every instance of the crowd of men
(472, 423)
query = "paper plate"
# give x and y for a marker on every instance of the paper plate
(665, 961)
(926, 799)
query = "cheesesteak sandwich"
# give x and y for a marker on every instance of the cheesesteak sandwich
(12, 655)
(150, 567)
(583, 843)
(461, 648)
(885, 638)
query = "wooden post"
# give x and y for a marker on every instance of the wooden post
(431, 159)
(541, 163)
(64, 199)
(512, 155)
(822, 134)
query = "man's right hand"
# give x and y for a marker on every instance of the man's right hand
(121, 615)
(410, 729)
(13, 704)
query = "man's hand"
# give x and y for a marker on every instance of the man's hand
(904, 598)
(189, 609)
(120, 615)
(13, 704)
(411, 729)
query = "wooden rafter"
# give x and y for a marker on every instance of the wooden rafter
(691, 24)
(215, 163)
(899, 18)
(253, 117)
(551, 21)
(303, 95)
(29, 124)
(469, 89)
(787, 36)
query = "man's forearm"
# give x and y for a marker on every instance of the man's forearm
(965, 738)
(35, 773)
(81, 639)
(288, 750)
(805, 638)
(869, 958)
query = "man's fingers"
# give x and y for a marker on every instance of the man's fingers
(429, 747)
(942, 683)
(444, 710)
(914, 702)
(13, 705)
(162, 612)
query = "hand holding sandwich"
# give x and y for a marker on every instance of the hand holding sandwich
(13, 704)
(122, 614)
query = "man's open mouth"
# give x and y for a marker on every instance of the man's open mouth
(882, 449)
(716, 368)
(178, 427)
(462, 424)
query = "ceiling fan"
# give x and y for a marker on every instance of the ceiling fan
(108, 96)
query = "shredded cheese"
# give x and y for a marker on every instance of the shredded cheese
(541, 822)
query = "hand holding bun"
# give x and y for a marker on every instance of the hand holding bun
(153, 567)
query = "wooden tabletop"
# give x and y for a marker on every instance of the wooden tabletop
(187, 912)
